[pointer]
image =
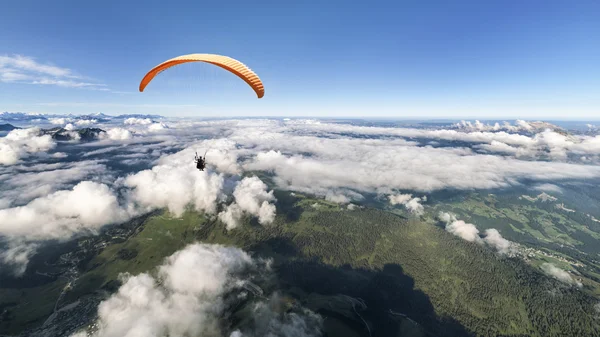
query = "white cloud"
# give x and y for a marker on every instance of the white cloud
(19, 143)
(188, 301)
(117, 134)
(138, 121)
(86, 122)
(157, 127)
(17, 255)
(68, 83)
(495, 239)
(24, 69)
(464, 230)
(25, 183)
(251, 196)
(59, 215)
(337, 162)
(413, 205)
(60, 120)
(559, 274)
(379, 165)
(187, 298)
(29, 64)
(231, 216)
(469, 232)
(399, 199)
(220, 154)
(175, 186)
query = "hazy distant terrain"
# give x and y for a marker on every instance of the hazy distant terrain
(311, 227)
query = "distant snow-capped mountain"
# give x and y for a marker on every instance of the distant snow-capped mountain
(31, 117)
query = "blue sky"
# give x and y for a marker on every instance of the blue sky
(405, 59)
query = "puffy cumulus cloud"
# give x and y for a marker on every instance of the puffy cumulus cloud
(59, 215)
(17, 255)
(19, 143)
(250, 196)
(138, 121)
(187, 302)
(447, 217)
(69, 127)
(70, 122)
(60, 120)
(464, 230)
(559, 274)
(189, 297)
(520, 125)
(495, 240)
(231, 216)
(117, 134)
(86, 122)
(399, 199)
(413, 205)
(157, 126)
(175, 187)
(469, 232)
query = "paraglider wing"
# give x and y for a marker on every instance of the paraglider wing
(234, 66)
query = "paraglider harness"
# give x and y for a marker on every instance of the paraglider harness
(200, 161)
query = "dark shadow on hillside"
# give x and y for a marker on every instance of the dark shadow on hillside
(388, 293)
(286, 204)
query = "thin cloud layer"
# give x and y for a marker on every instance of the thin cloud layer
(24, 69)
(17, 255)
(137, 121)
(559, 274)
(25, 183)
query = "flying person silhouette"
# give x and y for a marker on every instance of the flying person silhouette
(200, 161)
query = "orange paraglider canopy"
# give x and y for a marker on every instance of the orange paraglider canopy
(227, 63)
